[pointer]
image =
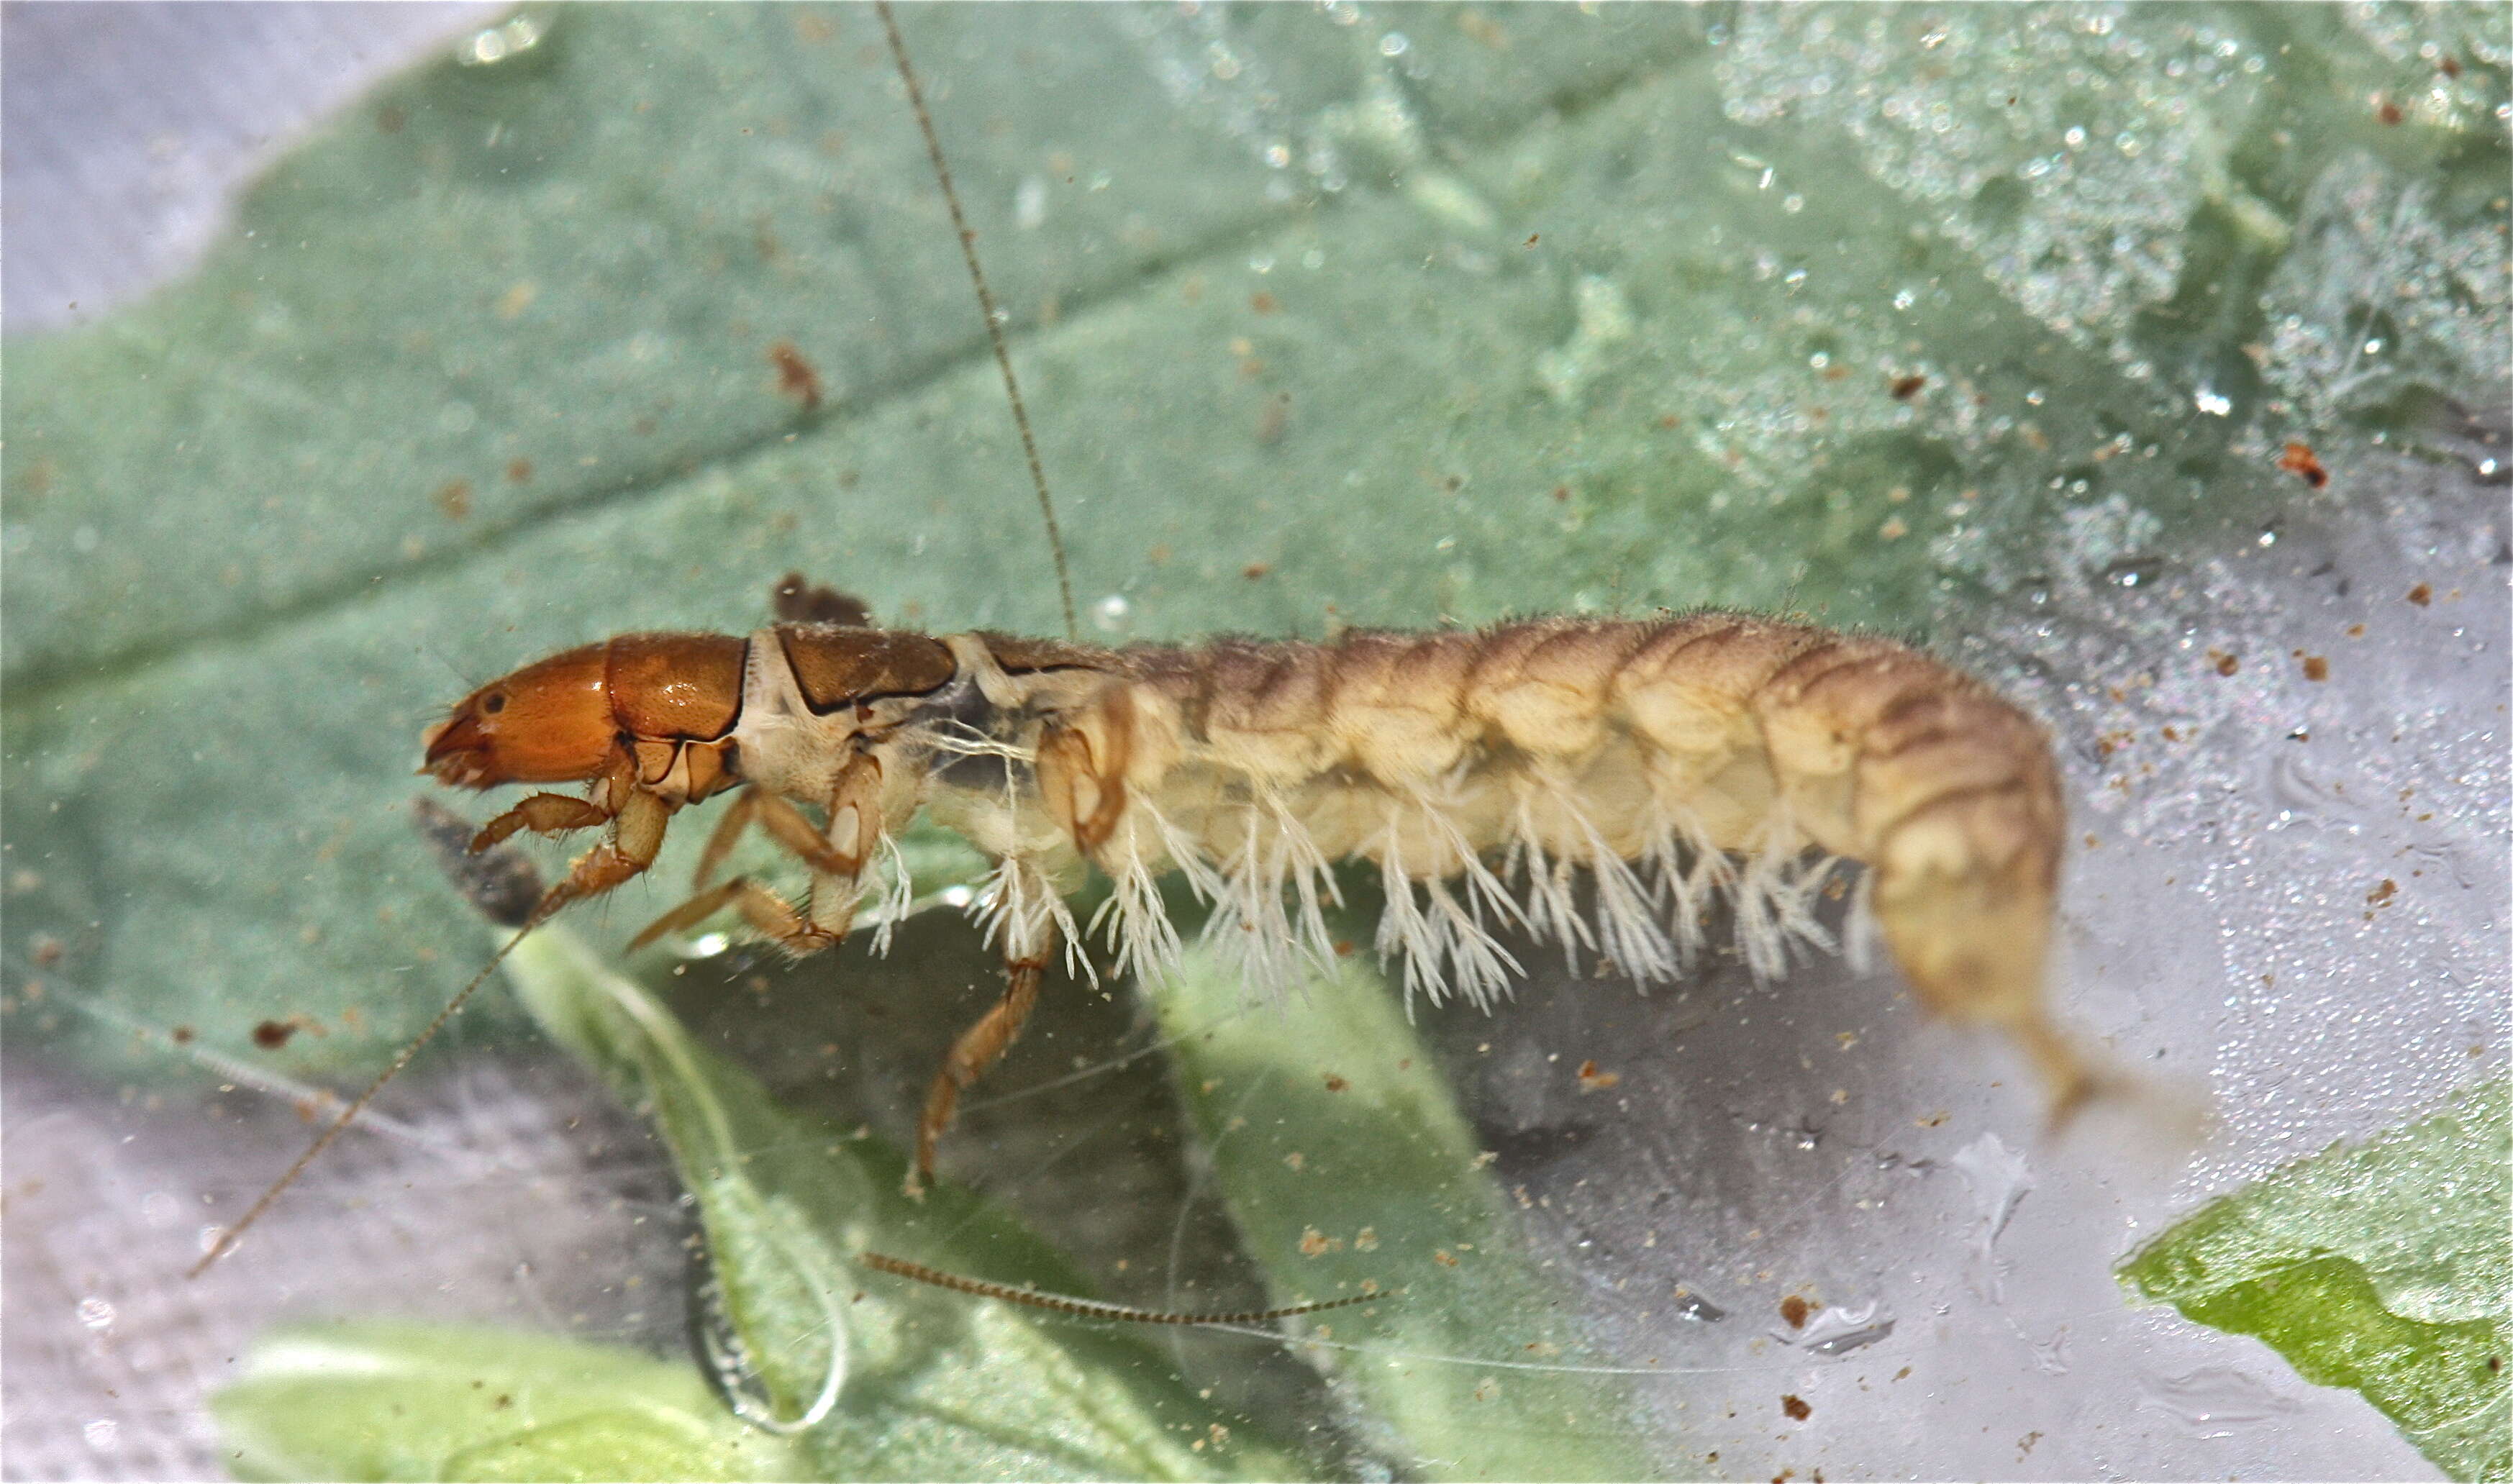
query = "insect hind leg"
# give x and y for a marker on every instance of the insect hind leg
(978, 1048)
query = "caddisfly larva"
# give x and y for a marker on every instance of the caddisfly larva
(1675, 763)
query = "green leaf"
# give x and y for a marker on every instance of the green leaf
(925, 1385)
(412, 1401)
(934, 1385)
(1334, 1136)
(2384, 1268)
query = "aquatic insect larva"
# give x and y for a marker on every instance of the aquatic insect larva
(1672, 761)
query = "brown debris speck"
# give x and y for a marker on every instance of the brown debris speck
(2421, 595)
(1256, 570)
(1592, 1080)
(1904, 388)
(270, 1035)
(455, 499)
(1274, 419)
(1794, 1311)
(1263, 304)
(1796, 1407)
(2298, 459)
(2315, 667)
(2381, 895)
(183, 1036)
(795, 377)
(1336, 1084)
(2226, 663)
(519, 472)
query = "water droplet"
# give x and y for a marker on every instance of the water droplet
(159, 1209)
(1837, 1331)
(512, 37)
(103, 1434)
(95, 1314)
(2213, 1398)
(1112, 614)
(2213, 402)
(708, 944)
(1393, 44)
(1029, 203)
(1697, 1309)
(957, 896)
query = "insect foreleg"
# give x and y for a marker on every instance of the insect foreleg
(544, 814)
(636, 838)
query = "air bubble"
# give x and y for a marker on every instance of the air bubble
(733, 1372)
(1393, 44)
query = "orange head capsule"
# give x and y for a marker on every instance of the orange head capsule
(546, 723)
(562, 720)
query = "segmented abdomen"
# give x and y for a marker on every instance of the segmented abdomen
(1672, 761)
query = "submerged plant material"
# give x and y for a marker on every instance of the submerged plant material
(2385, 1267)
(814, 1364)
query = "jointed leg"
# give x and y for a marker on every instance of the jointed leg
(544, 814)
(637, 835)
(727, 833)
(762, 908)
(978, 1048)
(836, 860)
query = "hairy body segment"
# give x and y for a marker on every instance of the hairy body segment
(1601, 784)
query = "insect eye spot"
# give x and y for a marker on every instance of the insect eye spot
(494, 702)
